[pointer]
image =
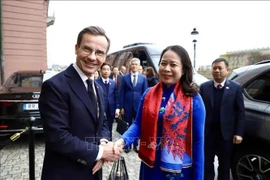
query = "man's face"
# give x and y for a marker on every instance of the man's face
(134, 66)
(219, 71)
(91, 53)
(123, 69)
(105, 71)
(115, 71)
(140, 69)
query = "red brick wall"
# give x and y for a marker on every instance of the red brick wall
(24, 25)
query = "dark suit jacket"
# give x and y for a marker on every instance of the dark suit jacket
(130, 96)
(232, 110)
(111, 98)
(72, 131)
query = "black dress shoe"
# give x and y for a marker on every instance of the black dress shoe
(136, 150)
(127, 150)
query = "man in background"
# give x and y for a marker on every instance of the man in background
(116, 77)
(123, 70)
(110, 93)
(224, 125)
(140, 69)
(132, 88)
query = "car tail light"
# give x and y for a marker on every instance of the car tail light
(6, 104)
(3, 126)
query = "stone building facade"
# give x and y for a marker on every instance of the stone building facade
(239, 59)
(246, 57)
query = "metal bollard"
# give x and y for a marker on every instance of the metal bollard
(31, 143)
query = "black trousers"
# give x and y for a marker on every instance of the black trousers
(216, 145)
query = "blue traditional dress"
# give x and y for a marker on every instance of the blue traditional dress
(166, 165)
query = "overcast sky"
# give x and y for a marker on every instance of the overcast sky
(223, 26)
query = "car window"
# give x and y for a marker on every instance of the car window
(24, 80)
(31, 81)
(259, 88)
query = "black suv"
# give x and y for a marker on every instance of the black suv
(19, 100)
(252, 158)
(149, 55)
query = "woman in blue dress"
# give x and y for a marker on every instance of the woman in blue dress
(170, 123)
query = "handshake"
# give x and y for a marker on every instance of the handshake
(111, 152)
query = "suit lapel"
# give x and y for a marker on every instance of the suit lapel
(110, 87)
(79, 88)
(101, 83)
(225, 91)
(129, 80)
(211, 93)
(138, 79)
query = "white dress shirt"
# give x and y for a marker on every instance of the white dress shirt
(222, 84)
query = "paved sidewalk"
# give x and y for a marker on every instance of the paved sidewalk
(14, 160)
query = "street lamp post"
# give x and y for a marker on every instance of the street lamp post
(194, 32)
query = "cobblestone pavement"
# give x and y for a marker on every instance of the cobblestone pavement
(14, 160)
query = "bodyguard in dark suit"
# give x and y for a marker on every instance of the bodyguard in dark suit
(132, 88)
(224, 124)
(72, 111)
(116, 77)
(110, 93)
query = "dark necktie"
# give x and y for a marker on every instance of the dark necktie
(219, 86)
(107, 86)
(92, 95)
(134, 80)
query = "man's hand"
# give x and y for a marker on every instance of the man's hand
(237, 139)
(98, 166)
(110, 152)
(122, 111)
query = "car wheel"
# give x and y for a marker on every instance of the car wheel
(251, 166)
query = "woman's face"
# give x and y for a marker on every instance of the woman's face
(170, 68)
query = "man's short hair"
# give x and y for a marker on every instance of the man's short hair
(221, 60)
(93, 30)
(135, 60)
(105, 64)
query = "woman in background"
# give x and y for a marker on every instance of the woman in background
(151, 76)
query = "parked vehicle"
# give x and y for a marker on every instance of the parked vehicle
(252, 158)
(19, 100)
(149, 55)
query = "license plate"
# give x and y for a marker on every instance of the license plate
(33, 106)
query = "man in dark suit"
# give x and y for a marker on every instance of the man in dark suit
(123, 70)
(224, 124)
(72, 111)
(132, 88)
(110, 93)
(116, 77)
